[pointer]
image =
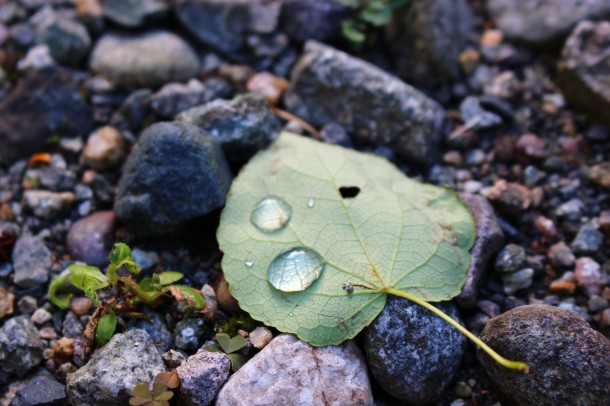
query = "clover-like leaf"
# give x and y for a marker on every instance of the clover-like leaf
(169, 277)
(169, 378)
(105, 328)
(230, 345)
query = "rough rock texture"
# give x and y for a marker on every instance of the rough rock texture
(543, 22)
(413, 354)
(156, 329)
(201, 377)
(426, 38)
(105, 149)
(40, 391)
(32, 261)
(584, 69)
(176, 172)
(318, 20)
(147, 59)
(20, 346)
(67, 39)
(90, 238)
(243, 126)
(568, 360)
(488, 241)
(42, 104)
(374, 107)
(175, 98)
(290, 371)
(115, 369)
(134, 13)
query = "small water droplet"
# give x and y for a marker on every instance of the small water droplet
(295, 269)
(311, 202)
(249, 263)
(271, 214)
(290, 314)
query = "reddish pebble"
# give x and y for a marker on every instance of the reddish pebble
(545, 226)
(81, 306)
(565, 285)
(588, 276)
(271, 87)
(531, 146)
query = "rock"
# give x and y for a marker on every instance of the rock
(413, 354)
(67, 39)
(156, 329)
(541, 23)
(47, 205)
(189, 333)
(201, 377)
(290, 371)
(472, 112)
(175, 173)
(588, 276)
(510, 259)
(40, 391)
(32, 262)
(41, 316)
(80, 306)
(545, 225)
(319, 20)
(145, 59)
(510, 198)
(145, 260)
(600, 174)
(561, 255)
(426, 38)
(7, 303)
(567, 359)
(260, 337)
(588, 239)
(37, 58)
(115, 369)
(175, 98)
(242, 126)
(173, 359)
(20, 346)
(382, 109)
(270, 87)
(71, 327)
(530, 146)
(105, 149)
(135, 13)
(90, 239)
(42, 104)
(521, 279)
(489, 239)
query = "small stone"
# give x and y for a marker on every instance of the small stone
(270, 87)
(156, 328)
(202, 375)
(531, 146)
(80, 306)
(105, 149)
(570, 209)
(510, 259)
(47, 205)
(32, 262)
(462, 390)
(320, 20)
(522, 279)
(546, 226)
(90, 12)
(40, 391)
(72, 328)
(453, 158)
(41, 316)
(597, 303)
(504, 85)
(588, 275)
(135, 13)
(561, 255)
(600, 174)
(90, 239)
(48, 333)
(588, 240)
(512, 198)
(20, 346)
(491, 38)
(145, 260)
(67, 39)
(37, 58)
(260, 337)
(173, 358)
(469, 60)
(604, 221)
(174, 98)
(7, 300)
(475, 116)
(189, 334)
(475, 157)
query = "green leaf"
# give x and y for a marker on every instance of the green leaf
(63, 302)
(147, 285)
(105, 328)
(352, 32)
(237, 361)
(141, 390)
(192, 296)
(89, 279)
(120, 256)
(377, 14)
(169, 277)
(229, 344)
(374, 228)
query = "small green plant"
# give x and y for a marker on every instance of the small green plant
(230, 346)
(236, 323)
(159, 396)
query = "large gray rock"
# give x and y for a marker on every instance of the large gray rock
(319, 20)
(568, 360)
(176, 173)
(20, 346)
(147, 59)
(40, 391)
(201, 377)
(290, 372)
(243, 126)
(135, 13)
(543, 23)
(114, 370)
(584, 69)
(90, 239)
(426, 38)
(330, 86)
(32, 262)
(413, 354)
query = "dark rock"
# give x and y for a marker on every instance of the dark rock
(175, 98)
(32, 262)
(568, 360)
(413, 354)
(333, 133)
(382, 109)
(472, 113)
(202, 375)
(489, 239)
(510, 198)
(72, 328)
(90, 239)
(40, 391)
(133, 112)
(510, 259)
(588, 239)
(147, 59)
(156, 329)
(426, 38)
(176, 173)
(135, 13)
(67, 39)
(20, 346)
(43, 103)
(319, 20)
(242, 126)
(189, 334)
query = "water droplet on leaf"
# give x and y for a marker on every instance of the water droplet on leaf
(295, 269)
(311, 202)
(271, 214)
(249, 263)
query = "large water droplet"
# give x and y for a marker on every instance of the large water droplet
(295, 269)
(271, 214)
(311, 202)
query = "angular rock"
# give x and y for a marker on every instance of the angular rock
(542, 23)
(67, 39)
(135, 13)
(588, 275)
(381, 110)
(561, 255)
(201, 377)
(413, 354)
(318, 20)
(90, 239)
(290, 371)
(40, 391)
(472, 112)
(588, 239)
(115, 369)
(20, 346)
(105, 149)
(47, 205)
(145, 59)
(242, 126)
(175, 173)
(260, 337)
(189, 333)
(175, 98)
(568, 360)
(510, 198)
(32, 262)
(426, 38)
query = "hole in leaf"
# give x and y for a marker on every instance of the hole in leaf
(349, 192)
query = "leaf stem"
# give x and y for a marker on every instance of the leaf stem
(516, 365)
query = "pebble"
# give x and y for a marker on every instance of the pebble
(531, 146)
(521, 279)
(173, 358)
(41, 316)
(145, 260)
(472, 112)
(80, 306)
(7, 302)
(67, 39)
(135, 13)
(156, 328)
(321, 20)
(270, 87)
(48, 333)
(20, 346)
(588, 276)
(189, 334)
(72, 328)
(32, 261)
(561, 255)
(90, 239)
(504, 85)
(105, 149)
(260, 337)
(40, 391)
(47, 205)
(202, 375)
(600, 174)
(588, 240)
(174, 98)
(604, 221)
(509, 197)
(546, 226)
(571, 209)
(510, 259)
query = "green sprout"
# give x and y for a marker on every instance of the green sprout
(230, 346)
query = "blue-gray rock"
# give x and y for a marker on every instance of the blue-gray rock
(510, 259)
(175, 98)
(514, 281)
(42, 104)
(32, 262)
(242, 126)
(175, 173)
(115, 369)
(156, 329)
(413, 354)
(40, 391)
(568, 360)
(71, 327)
(20, 346)
(90, 239)
(189, 333)
(135, 13)
(318, 20)
(67, 39)
(472, 112)
(381, 109)
(144, 59)
(426, 38)
(588, 239)
(201, 377)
